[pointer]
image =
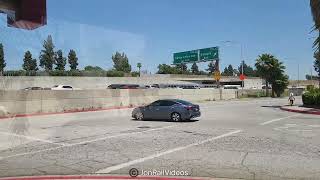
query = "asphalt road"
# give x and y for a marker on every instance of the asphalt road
(243, 139)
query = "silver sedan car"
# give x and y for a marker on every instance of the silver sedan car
(167, 109)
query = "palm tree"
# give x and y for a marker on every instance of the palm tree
(139, 67)
(269, 68)
(315, 10)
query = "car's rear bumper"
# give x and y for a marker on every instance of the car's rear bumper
(194, 115)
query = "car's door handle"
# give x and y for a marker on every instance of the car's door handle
(157, 109)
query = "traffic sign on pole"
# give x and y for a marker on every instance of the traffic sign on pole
(242, 77)
(217, 75)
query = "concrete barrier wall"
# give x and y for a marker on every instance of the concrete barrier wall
(21, 102)
(21, 82)
(251, 92)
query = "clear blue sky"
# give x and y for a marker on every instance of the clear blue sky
(150, 31)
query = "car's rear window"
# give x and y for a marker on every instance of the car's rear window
(183, 102)
(167, 103)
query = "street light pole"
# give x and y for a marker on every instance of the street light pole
(298, 74)
(241, 56)
(242, 74)
(242, 83)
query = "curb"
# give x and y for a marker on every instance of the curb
(66, 112)
(301, 111)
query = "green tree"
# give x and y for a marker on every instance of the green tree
(166, 69)
(2, 60)
(182, 68)
(194, 68)
(121, 62)
(247, 70)
(29, 64)
(309, 77)
(211, 68)
(93, 68)
(280, 84)
(60, 61)
(316, 66)
(228, 71)
(271, 69)
(47, 55)
(315, 11)
(139, 65)
(73, 60)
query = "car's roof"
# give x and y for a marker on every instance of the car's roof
(175, 100)
(168, 99)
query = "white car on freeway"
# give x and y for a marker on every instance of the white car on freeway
(63, 87)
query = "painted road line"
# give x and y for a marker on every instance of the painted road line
(130, 163)
(119, 135)
(278, 119)
(72, 111)
(31, 138)
(85, 142)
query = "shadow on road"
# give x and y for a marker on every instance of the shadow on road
(271, 106)
(165, 120)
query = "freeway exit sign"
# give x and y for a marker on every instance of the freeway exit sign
(199, 55)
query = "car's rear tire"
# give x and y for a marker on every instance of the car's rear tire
(175, 117)
(139, 116)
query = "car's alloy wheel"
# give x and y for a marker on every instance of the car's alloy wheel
(139, 116)
(175, 117)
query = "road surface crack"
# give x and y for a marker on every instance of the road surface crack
(247, 168)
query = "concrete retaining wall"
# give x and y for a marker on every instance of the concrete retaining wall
(21, 102)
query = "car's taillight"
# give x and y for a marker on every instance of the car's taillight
(188, 107)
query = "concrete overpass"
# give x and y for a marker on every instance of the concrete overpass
(249, 83)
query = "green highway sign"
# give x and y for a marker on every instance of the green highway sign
(185, 57)
(199, 55)
(208, 54)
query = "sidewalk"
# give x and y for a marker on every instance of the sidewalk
(300, 109)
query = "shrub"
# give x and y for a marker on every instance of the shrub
(14, 73)
(310, 87)
(135, 74)
(94, 73)
(57, 73)
(114, 73)
(74, 73)
(311, 97)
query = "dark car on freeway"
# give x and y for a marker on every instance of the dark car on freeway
(123, 86)
(167, 109)
(33, 88)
